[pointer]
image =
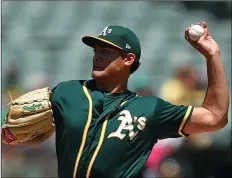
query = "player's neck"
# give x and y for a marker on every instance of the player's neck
(112, 86)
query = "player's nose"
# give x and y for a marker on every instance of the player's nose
(96, 59)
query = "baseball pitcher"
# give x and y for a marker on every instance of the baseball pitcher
(102, 128)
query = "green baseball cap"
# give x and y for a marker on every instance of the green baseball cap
(117, 36)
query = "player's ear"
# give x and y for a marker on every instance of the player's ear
(129, 60)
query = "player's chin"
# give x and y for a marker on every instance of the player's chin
(98, 74)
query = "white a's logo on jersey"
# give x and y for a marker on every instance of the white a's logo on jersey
(105, 31)
(127, 124)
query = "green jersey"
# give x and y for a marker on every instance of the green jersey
(101, 134)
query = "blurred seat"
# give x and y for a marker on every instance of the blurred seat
(42, 26)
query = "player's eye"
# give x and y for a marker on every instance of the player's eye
(101, 51)
(105, 51)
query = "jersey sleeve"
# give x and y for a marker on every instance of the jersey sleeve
(55, 103)
(62, 96)
(171, 119)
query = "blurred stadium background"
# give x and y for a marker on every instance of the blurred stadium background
(41, 46)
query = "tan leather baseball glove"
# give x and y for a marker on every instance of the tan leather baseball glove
(29, 119)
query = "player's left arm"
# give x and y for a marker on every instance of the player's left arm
(213, 113)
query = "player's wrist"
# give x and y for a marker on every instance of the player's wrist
(212, 56)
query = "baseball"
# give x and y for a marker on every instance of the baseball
(195, 32)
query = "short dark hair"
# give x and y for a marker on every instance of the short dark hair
(135, 65)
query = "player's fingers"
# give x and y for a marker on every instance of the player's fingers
(203, 36)
(204, 24)
(193, 43)
(186, 33)
(186, 30)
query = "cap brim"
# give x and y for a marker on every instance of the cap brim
(92, 41)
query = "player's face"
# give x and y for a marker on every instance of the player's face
(107, 61)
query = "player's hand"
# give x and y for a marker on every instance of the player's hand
(206, 44)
